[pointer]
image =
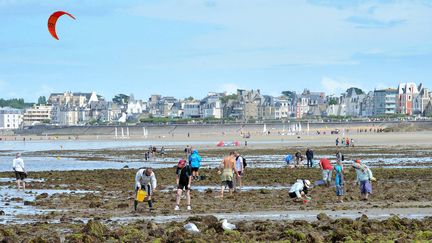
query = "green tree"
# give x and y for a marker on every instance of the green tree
(333, 101)
(121, 99)
(42, 100)
(289, 94)
(356, 90)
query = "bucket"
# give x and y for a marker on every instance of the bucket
(141, 194)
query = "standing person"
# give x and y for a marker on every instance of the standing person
(347, 142)
(228, 165)
(183, 180)
(339, 156)
(145, 179)
(298, 158)
(20, 172)
(240, 169)
(337, 142)
(327, 169)
(162, 151)
(299, 190)
(195, 163)
(309, 157)
(146, 155)
(339, 181)
(343, 141)
(187, 151)
(352, 142)
(364, 178)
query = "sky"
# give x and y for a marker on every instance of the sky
(187, 48)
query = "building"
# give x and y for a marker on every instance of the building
(10, 118)
(308, 99)
(384, 102)
(405, 98)
(71, 108)
(191, 109)
(39, 113)
(421, 100)
(211, 106)
(367, 105)
(352, 100)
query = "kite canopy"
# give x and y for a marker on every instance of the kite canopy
(52, 21)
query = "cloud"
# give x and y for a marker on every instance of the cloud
(333, 86)
(366, 23)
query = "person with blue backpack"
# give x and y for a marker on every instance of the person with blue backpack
(195, 163)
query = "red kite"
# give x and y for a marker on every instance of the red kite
(53, 20)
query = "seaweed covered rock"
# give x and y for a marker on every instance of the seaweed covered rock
(96, 229)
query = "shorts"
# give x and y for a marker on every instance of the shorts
(292, 195)
(148, 189)
(240, 172)
(183, 186)
(195, 169)
(20, 175)
(327, 175)
(365, 187)
(228, 183)
(339, 190)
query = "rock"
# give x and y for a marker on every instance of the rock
(29, 203)
(123, 205)
(2, 212)
(208, 191)
(323, 217)
(315, 237)
(363, 218)
(95, 204)
(126, 167)
(95, 228)
(42, 196)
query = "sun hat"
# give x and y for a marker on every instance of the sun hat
(307, 183)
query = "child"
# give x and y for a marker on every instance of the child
(339, 181)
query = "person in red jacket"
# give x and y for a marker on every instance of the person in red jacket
(327, 169)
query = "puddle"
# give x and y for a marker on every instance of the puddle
(217, 188)
(12, 203)
(412, 213)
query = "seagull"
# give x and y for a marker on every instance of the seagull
(227, 226)
(191, 228)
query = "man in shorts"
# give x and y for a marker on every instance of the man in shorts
(20, 172)
(145, 179)
(184, 180)
(228, 166)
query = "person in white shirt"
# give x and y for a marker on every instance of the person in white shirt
(145, 179)
(20, 172)
(240, 168)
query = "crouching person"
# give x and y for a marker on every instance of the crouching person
(145, 179)
(299, 190)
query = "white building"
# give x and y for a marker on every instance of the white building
(39, 113)
(10, 118)
(191, 109)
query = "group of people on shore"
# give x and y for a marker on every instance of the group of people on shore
(364, 177)
(344, 142)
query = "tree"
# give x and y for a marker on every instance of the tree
(356, 90)
(42, 100)
(333, 101)
(121, 99)
(226, 98)
(289, 94)
(190, 98)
